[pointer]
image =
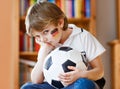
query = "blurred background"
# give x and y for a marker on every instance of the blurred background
(106, 31)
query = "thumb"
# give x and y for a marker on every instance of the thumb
(71, 68)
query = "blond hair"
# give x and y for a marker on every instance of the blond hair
(43, 14)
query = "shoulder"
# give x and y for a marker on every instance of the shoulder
(78, 30)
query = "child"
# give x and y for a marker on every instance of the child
(48, 24)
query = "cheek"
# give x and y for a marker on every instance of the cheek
(56, 37)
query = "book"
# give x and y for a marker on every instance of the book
(87, 8)
(68, 8)
(21, 41)
(78, 8)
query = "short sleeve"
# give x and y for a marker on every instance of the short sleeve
(91, 45)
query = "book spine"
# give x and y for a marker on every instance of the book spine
(31, 47)
(58, 3)
(87, 8)
(52, 1)
(78, 8)
(68, 8)
(21, 41)
(63, 5)
(73, 8)
(36, 46)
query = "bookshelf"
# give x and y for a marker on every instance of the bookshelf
(88, 22)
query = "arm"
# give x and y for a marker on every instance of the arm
(95, 73)
(37, 72)
(93, 51)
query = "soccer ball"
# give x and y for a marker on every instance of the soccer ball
(57, 61)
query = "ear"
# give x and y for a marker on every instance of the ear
(61, 22)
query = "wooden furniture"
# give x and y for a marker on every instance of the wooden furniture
(115, 53)
(9, 54)
(87, 23)
(118, 18)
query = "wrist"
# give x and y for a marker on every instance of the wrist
(42, 53)
(83, 74)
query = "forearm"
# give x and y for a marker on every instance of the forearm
(97, 70)
(37, 73)
(94, 74)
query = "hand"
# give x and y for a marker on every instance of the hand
(45, 49)
(69, 77)
(44, 45)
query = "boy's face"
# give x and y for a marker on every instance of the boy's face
(52, 35)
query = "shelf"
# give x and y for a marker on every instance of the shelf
(29, 55)
(81, 22)
(114, 42)
(78, 19)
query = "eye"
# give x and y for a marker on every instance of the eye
(45, 32)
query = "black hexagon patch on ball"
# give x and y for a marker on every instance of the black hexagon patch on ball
(66, 64)
(65, 48)
(57, 84)
(48, 63)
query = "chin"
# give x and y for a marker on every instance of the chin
(56, 45)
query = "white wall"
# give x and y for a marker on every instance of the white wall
(106, 32)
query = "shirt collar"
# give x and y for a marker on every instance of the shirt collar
(76, 30)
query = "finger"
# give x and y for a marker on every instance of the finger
(67, 82)
(65, 74)
(64, 78)
(37, 40)
(72, 68)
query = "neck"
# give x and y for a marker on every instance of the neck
(65, 35)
